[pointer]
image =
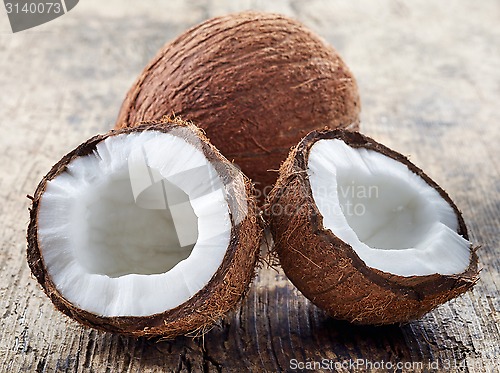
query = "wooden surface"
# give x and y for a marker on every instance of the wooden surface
(429, 78)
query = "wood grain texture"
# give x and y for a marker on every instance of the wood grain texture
(429, 85)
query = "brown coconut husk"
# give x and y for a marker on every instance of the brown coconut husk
(328, 271)
(255, 82)
(222, 292)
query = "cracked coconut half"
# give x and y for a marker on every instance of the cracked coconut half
(365, 234)
(144, 231)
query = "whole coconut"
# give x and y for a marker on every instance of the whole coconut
(255, 82)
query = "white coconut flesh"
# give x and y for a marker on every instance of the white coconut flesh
(137, 227)
(390, 216)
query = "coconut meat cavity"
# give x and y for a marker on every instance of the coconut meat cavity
(136, 227)
(391, 217)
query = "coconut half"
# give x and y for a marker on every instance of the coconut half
(365, 234)
(144, 231)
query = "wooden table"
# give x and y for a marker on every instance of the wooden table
(429, 77)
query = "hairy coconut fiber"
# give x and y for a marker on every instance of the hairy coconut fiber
(222, 292)
(328, 271)
(256, 83)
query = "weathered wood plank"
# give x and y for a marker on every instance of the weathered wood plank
(428, 76)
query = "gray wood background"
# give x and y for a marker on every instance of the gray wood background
(429, 76)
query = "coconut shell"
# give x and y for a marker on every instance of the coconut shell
(328, 271)
(256, 83)
(222, 292)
